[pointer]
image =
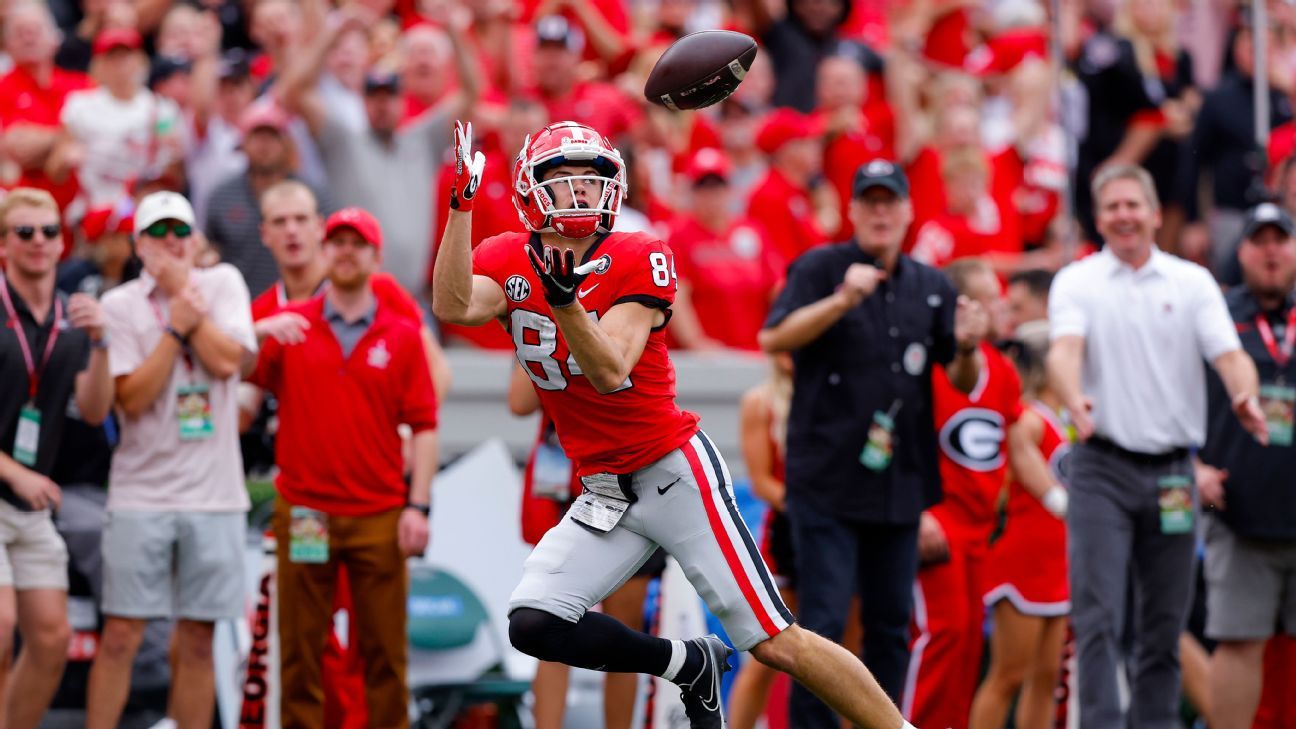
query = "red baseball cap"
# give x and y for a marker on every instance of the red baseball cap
(103, 221)
(357, 219)
(1006, 51)
(785, 125)
(112, 38)
(707, 162)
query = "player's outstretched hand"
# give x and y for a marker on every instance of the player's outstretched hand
(557, 271)
(468, 169)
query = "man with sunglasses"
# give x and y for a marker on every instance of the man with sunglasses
(51, 350)
(173, 545)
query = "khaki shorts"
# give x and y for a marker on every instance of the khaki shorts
(1250, 585)
(182, 564)
(32, 554)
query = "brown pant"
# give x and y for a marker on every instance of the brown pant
(379, 585)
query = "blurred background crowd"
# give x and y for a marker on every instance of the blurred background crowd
(108, 100)
(999, 111)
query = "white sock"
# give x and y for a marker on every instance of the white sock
(679, 652)
(907, 725)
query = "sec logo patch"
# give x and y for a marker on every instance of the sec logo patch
(517, 288)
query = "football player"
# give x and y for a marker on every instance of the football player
(586, 308)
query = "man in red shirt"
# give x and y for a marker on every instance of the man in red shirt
(590, 339)
(728, 269)
(33, 94)
(782, 201)
(293, 231)
(357, 373)
(953, 535)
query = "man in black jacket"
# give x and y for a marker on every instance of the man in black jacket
(1251, 539)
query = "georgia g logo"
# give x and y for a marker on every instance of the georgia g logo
(974, 438)
(1060, 463)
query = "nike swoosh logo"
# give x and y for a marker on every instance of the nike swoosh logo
(663, 489)
(582, 293)
(711, 703)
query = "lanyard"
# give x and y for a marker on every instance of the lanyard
(33, 372)
(184, 350)
(1281, 356)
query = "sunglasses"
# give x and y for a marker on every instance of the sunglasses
(26, 233)
(160, 228)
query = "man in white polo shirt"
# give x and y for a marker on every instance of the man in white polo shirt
(1131, 327)
(173, 545)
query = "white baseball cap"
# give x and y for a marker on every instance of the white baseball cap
(164, 205)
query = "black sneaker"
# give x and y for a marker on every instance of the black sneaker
(702, 697)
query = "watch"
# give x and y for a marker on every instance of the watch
(424, 509)
(182, 339)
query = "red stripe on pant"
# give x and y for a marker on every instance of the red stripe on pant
(726, 544)
(944, 680)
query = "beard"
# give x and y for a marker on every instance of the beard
(348, 280)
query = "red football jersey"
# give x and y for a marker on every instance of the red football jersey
(1054, 446)
(386, 290)
(617, 432)
(972, 432)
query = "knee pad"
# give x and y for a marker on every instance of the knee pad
(538, 633)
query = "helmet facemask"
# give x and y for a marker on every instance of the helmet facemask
(536, 198)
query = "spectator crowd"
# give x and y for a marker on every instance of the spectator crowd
(1026, 282)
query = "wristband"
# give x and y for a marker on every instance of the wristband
(424, 509)
(1055, 501)
(181, 338)
(102, 343)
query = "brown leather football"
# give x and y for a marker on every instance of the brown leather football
(700, 69)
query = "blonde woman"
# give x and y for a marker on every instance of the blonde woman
(762, 415)
(1145, 81)
(1026, 572)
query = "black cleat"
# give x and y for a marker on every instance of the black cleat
(702, 697)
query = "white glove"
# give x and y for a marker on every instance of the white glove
(1055, 501)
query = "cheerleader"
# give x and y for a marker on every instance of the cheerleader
(1027, 566)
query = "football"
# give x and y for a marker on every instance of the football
(700, 69)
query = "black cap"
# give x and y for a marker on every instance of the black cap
(1267, 214)
(381, 81)
(556, 30)
(880, 173)
(234, 65)
(164, 67)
